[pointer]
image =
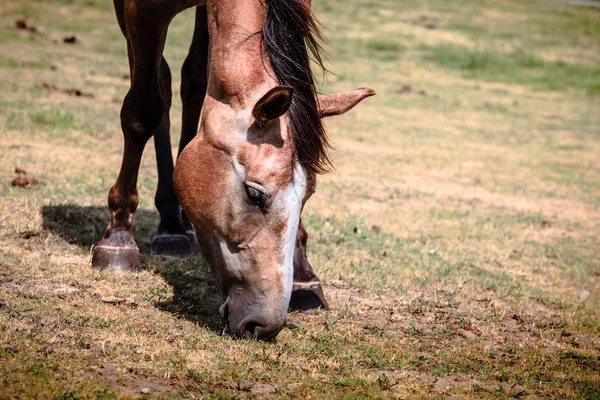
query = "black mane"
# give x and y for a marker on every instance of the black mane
(290, 36)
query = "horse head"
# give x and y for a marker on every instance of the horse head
(242, 181)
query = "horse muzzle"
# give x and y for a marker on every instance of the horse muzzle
(252, 319)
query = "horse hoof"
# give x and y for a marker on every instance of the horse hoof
(192, 236)
(308, 296)
(173, 245)
(116, 258)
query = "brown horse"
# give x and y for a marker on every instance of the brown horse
(244, 179)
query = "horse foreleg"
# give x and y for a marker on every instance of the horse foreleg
(141, 114)
(171, 238)
(307, 292)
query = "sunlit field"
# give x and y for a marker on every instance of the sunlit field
(457, 238)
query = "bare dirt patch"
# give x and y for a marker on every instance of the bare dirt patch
(71, 92)
(25, 182)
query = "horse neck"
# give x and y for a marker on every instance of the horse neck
(239, 70)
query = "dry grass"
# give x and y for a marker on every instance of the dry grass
(458, 238)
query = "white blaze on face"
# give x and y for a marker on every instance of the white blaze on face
(291, 205)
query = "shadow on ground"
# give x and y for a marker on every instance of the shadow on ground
(194, 295)
(84, 225)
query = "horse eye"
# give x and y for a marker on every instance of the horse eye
(256, 196)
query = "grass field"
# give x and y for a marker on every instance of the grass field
(458, 238)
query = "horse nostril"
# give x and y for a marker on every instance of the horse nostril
(256, 330)
(251, 328)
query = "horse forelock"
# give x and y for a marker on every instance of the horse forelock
(291, 38)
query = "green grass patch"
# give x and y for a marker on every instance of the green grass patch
(34, 64)
(54, 119)
(384, 45)
(57, 123)
(520, 67)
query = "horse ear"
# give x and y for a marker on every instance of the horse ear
(273, 104)
(336, 104)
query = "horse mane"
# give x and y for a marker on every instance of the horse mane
(290, 36)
